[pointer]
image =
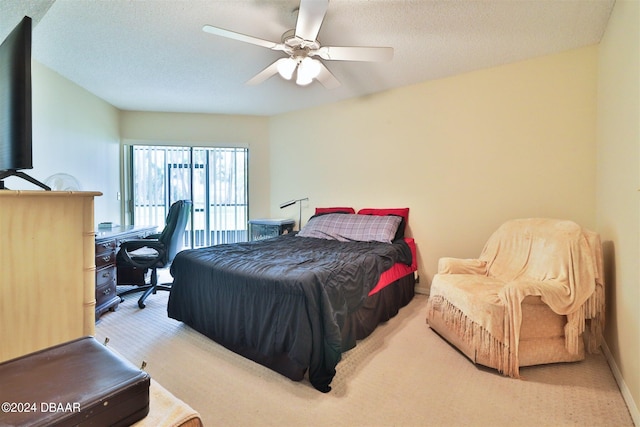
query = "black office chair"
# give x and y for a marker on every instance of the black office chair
(159, 251)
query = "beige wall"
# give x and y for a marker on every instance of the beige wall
(76, 133)
(618, 195)
(464, 153)
(209, 130)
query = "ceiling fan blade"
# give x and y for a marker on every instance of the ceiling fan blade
(326, 78)
(242, 37)
(346, 53)
(310, 16)
(267, 73)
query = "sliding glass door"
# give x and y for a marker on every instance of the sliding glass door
(214, 179)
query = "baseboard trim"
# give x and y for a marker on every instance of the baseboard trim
(422, 290)
(626, 394)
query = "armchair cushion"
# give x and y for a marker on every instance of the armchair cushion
(481, 300)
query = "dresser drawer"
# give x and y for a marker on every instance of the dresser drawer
(106, 259)
(105, 276)
(105, 285)
(105, 293)
(105, 246)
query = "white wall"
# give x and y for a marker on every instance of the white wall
(464, 153)
(618, 190)
(76, 133)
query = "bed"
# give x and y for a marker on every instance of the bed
(296, 302)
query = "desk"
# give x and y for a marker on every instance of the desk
(107, 245)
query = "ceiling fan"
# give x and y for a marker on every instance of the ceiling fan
(301, 46)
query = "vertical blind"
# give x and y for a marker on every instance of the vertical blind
(214, 179)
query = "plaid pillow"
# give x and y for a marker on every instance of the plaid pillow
(345, 228)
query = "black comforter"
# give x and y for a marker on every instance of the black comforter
(281, 302)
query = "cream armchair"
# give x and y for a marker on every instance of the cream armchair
(529, 298)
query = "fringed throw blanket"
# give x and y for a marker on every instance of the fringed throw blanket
(481, 299)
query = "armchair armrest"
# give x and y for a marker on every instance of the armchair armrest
(449, 265)
(132, 252)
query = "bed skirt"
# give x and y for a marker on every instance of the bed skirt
(376, 309)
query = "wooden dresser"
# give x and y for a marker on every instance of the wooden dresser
(107, 244)
(47, 269)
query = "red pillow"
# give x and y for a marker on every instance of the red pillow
(321, 211)
(403, 212)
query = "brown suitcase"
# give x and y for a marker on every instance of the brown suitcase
(76, 383)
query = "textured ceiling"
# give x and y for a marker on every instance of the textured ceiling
(153, 55)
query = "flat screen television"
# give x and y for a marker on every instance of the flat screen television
(15, 105)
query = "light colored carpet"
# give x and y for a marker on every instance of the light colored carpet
(404, 374)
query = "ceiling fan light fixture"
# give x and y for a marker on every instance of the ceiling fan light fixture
(308, 70)
(286, 67)
(303, 80)
(310, 67)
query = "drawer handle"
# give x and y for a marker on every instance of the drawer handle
(106, 245)
(106, 258)
(106, 291)
(106, 274)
